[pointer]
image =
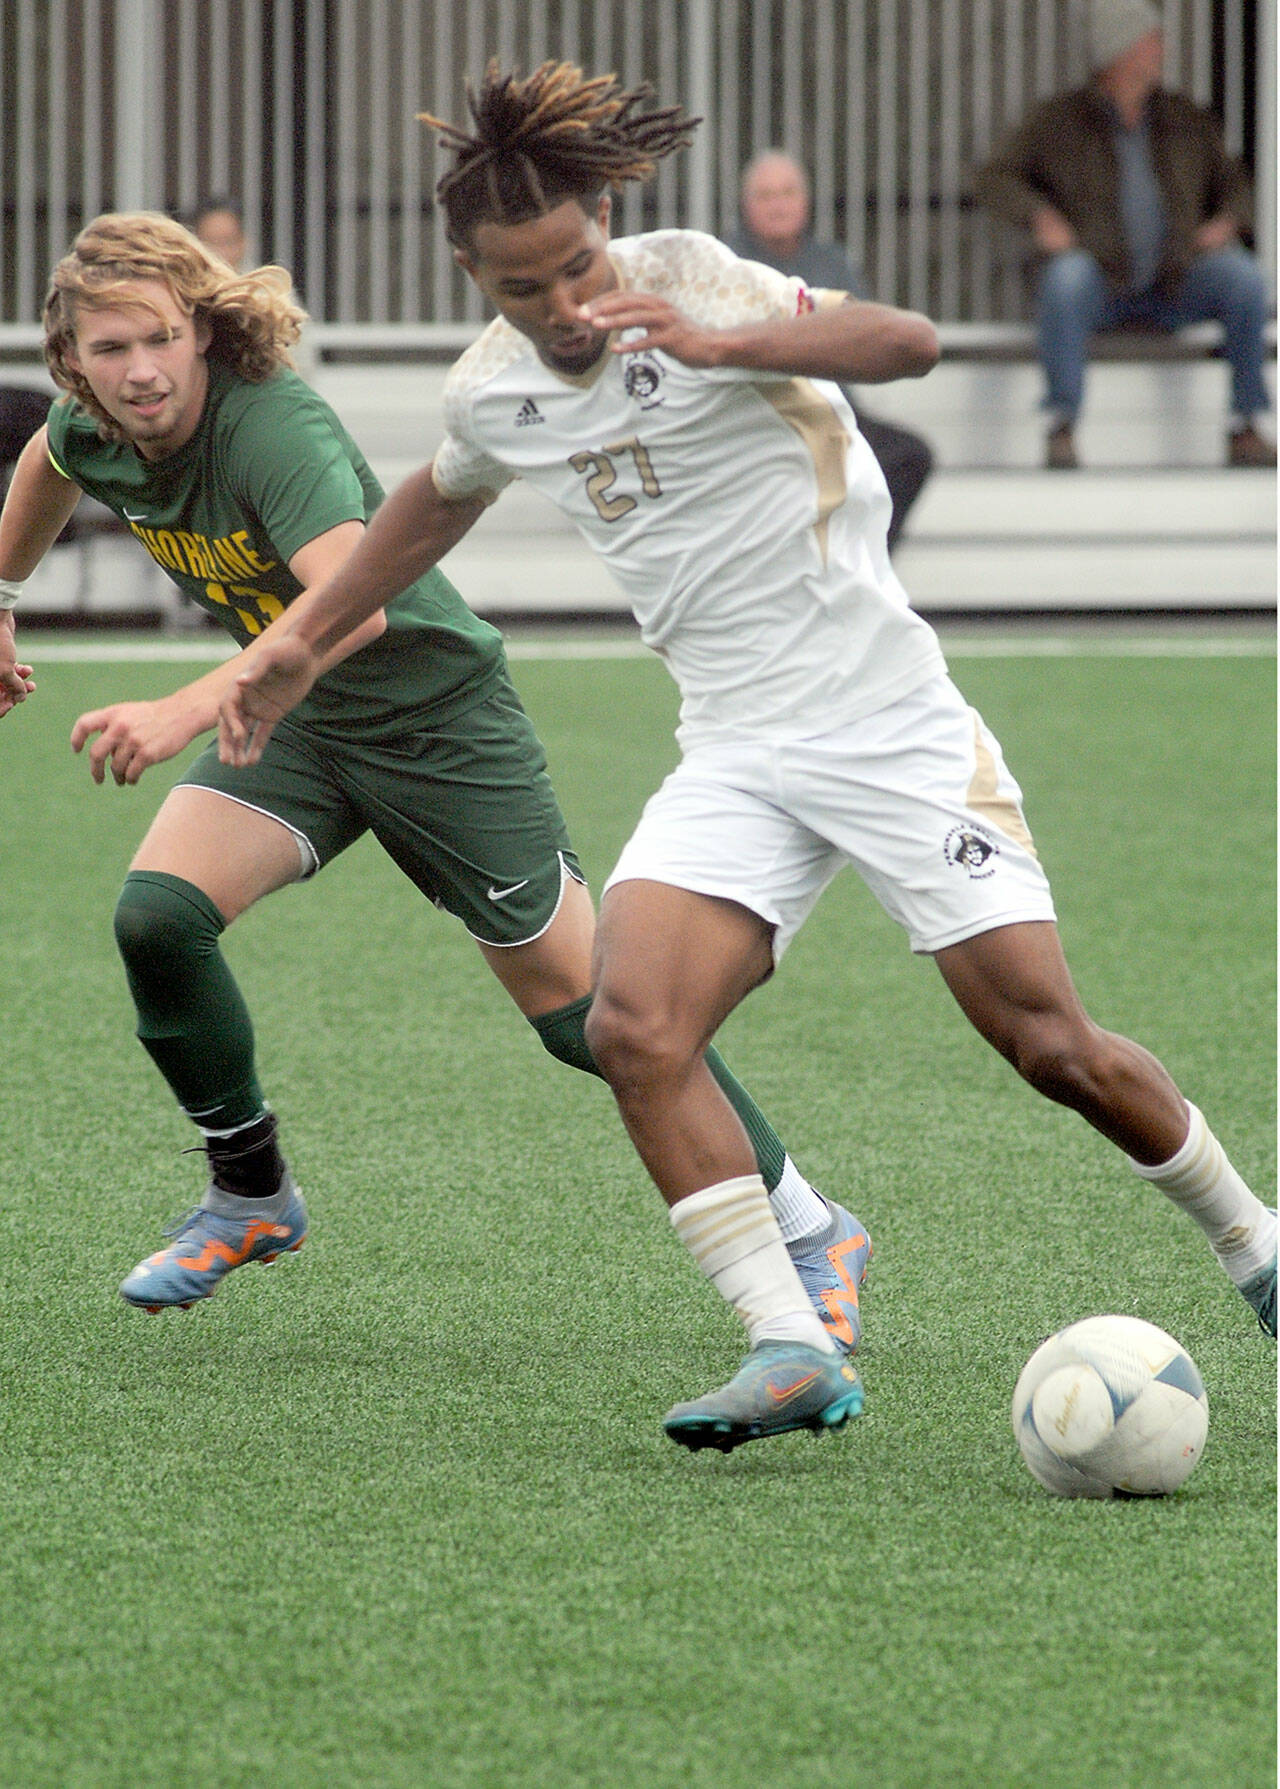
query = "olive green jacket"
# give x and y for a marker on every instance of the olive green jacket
(1063, 155)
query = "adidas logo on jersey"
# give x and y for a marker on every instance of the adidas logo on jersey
(527, 413)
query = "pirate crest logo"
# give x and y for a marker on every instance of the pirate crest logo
(971, 849)
(643, 379)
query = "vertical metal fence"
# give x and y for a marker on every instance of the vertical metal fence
(305, 113)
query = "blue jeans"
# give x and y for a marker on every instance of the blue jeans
(1226, 287)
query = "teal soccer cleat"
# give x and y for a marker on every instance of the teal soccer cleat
(225, 1231)
(1260, 1294)
(779, 1386)
(831, 1269)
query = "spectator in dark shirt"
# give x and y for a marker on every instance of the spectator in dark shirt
(1135, 205)
(775, 212)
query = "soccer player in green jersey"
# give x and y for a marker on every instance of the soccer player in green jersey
(183, 416)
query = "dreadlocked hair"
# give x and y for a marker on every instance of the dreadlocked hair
(551, 136)
(253, 316)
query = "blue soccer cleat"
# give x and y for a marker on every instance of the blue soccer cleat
(779, 1386)
(1260, 1294)
(831, 1269)
(225, 1231)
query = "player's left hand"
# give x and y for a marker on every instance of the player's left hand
(131, 736)
(663, 327)
(277, 674)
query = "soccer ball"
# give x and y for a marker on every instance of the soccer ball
(1110, 1406)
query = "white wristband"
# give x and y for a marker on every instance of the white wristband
(10, 591)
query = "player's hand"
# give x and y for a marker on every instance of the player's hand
(276, 677)
(15, 680)
(130, 737)
(661, 324)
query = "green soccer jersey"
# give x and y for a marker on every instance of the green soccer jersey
(270, 468)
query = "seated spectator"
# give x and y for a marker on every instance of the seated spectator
(1135, 205)
(219, 225)
(775, 211)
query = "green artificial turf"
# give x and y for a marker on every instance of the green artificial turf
(400, 1510)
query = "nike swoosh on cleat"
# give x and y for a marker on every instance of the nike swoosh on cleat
(783, 1394)
(500, 894)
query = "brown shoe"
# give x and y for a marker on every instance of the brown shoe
(1060, 449)
(1246, 447)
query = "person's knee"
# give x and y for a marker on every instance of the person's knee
(633, 1046)
(1242, 283)
(161, 923)
(1068, 1059)
(1070, 281)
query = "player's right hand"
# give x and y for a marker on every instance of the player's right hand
(15, 680)
(16, 684)
(277, 675)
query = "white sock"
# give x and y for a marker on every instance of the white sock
(800, 1211)
(1202, 1182)
(732, 1234)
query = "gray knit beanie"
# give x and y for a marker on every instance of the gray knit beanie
(1116, 25)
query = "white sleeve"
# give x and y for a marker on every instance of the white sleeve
(461, 468)
(704, 278)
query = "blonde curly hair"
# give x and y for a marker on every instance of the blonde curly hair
(254, 317)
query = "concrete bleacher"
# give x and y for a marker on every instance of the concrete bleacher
(1152, 522)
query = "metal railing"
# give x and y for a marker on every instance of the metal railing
(306, 114)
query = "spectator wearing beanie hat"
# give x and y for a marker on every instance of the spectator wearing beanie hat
(1132, 200)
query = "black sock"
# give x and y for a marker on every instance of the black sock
(249, 1162)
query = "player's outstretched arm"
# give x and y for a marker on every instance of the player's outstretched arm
(36, 509)
(129, 737)
(412, 530)
(853, 343)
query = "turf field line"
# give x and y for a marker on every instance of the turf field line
(995, 645)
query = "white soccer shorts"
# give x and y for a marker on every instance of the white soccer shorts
(917, 797)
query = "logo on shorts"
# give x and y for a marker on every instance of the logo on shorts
(971, 849)
(501, 894)
(642, 379)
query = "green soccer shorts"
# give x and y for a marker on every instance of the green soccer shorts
(466, 811)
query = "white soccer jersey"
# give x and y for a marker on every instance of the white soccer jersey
(741, 512)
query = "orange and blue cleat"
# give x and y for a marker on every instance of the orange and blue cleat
(779, 1386)
(223, 1232)
(832, 1266)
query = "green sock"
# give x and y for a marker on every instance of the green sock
(192, 1018)
(563, 1034)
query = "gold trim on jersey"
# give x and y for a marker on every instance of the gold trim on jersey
(584, 381)
(984, 796)
(803, 408)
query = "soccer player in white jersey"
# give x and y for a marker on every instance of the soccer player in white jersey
(680, 406)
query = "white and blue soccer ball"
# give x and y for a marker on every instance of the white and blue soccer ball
(1110, 1406)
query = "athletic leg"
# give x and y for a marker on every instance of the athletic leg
(203, 862)
(549, 980)
(1014, 985)
(670, 966)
